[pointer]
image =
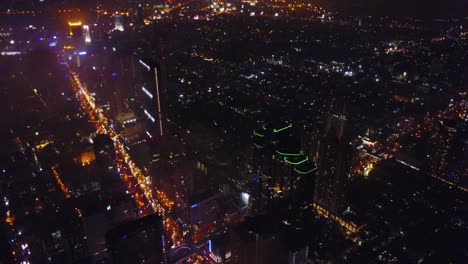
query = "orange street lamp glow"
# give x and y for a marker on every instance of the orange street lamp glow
(72, 24)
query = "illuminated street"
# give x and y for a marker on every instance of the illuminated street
(151, 200)
(233, 132)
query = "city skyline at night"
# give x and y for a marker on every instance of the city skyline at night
(240, 132)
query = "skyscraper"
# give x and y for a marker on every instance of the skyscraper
(138, 241)
(334, 158)
(104, 150)
(150, 97)
(86, 33)
(443, 148)
(118, 23)
(75, 29)
(281, 164)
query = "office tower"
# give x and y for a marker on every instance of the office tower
(101, 216)
(299, 256)
(87, 35)
(138, 16)
(118, 23)
(116, 103)
(280, 164)
(257, 240)
(104, 149)
(75, 29)
(218, 248)
(460, 171)
(444, 150)
(106, 167)
(334, 156)
(57, 242)
(204, 211)
(150, 95)
(138, 241)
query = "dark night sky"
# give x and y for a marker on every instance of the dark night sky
(411, 8)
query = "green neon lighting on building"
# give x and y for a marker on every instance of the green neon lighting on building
(304, 172)
(296, 163)
(258, 134)
(257, 145)
(289, 154)
(283, 128)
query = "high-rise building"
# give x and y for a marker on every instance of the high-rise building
(280, 164)
(87, 35)
(138, 241)
(118, 23)
(205, 211)
(256, 241)
(149, 94)
(104, 149)
(75, 29)
(138, 16)
(443, 150)
(299, 256)
(101, 216)
(262, 239)
(79, 36)
(334, 157)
